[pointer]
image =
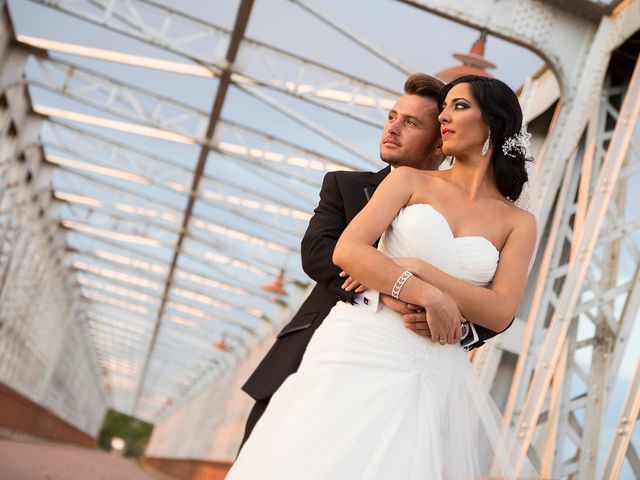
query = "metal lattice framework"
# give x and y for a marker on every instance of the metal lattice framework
(165, 256)
(150, 224)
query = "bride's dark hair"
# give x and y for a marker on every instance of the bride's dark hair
(502, 113)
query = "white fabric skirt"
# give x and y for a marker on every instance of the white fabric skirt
(373, 400)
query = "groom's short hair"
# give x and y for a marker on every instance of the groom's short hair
(425, 86)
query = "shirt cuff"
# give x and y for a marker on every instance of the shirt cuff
(470, 338)
(368, 299)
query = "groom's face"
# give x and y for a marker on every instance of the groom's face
(411, 136)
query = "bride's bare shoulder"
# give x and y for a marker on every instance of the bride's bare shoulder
(520, 219)
(405, 175)
(413, 174)
(423, 184)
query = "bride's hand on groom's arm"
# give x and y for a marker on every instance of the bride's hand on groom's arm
(443, 318)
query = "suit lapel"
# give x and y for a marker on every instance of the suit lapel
(375, 180)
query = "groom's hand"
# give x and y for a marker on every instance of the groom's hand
(417, 322)
(351, 283)
(413, 316)
(395, 305)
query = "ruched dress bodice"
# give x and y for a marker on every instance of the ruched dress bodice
(352, 333)
(421, 231)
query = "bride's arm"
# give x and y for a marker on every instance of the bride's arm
(354, 253)
(491, 307)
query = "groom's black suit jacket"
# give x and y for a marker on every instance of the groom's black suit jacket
(342, 196)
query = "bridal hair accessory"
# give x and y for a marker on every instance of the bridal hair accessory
(521, 140)
(485, 146)
(402, 279)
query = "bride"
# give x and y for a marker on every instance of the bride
(373, 400)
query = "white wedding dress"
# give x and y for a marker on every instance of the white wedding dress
(373, 400)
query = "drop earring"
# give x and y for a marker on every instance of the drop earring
(485, 146)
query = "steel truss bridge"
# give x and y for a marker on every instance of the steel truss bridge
(138, 225)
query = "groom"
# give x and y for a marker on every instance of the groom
(411, 137)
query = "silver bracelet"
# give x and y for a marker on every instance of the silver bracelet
(402, 279)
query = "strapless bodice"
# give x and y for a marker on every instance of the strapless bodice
(418, 231)
(421, 231)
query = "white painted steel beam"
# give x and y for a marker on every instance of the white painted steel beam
(204, 44)
(153, 110)
(569, 297)
(621, 443)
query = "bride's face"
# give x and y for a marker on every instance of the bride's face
(461, 125)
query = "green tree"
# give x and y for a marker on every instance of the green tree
(133, 431)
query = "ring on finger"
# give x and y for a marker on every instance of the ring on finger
(442, 341)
